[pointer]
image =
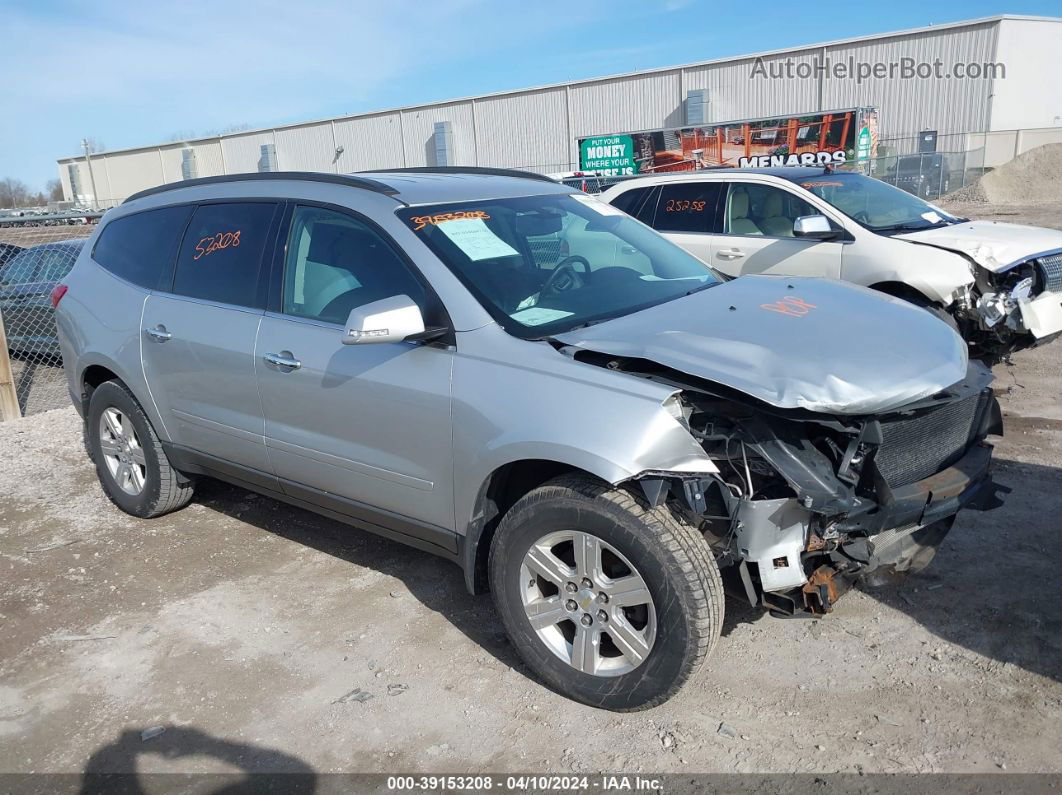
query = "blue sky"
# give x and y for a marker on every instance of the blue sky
(137, 73)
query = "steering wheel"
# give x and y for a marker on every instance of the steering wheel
(861, 216)
(565, 277)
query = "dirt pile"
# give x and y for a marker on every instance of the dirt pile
(1035, 176)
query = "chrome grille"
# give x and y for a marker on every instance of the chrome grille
(913, 448)
(1051, 269)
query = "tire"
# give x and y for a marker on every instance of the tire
(140, 463)
(672, 559)
(920, 300)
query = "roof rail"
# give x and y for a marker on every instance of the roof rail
(351, 180)
(489, 172)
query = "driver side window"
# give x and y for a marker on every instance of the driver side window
(336, 263)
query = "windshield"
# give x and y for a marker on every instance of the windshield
(542, 265)
(875, 204)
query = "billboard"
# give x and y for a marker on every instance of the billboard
(836, 138)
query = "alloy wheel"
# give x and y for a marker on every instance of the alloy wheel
(122, 452)
(587, 603)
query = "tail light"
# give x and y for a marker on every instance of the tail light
(565, 249)
(57, 294)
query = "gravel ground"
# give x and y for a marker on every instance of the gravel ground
(264, 637)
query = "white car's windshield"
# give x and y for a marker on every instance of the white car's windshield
(874, 204)
(543, 265)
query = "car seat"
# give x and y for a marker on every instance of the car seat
(740, 223)
(774, 222)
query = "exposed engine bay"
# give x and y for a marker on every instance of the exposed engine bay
(806, 503)
(1012, 309)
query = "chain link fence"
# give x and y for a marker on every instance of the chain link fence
(36, 253)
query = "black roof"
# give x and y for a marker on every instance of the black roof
(358, 180)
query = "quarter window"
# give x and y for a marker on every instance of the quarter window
(221, 253)
(336, 263)
(632, 201)
(140, 248)
(765, 210)
(687, 207)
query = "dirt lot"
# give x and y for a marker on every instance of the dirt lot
(264, 637)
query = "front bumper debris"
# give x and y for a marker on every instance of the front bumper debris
(804, 506)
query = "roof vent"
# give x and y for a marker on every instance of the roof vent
(697, 107)
(444, 144)
(268, 159)
(188, 169)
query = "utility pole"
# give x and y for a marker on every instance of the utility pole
(92, 177)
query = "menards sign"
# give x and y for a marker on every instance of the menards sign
(831, 138)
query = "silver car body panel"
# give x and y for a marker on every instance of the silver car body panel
(546, 406)
(804, 343)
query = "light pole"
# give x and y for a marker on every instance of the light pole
(92, 177)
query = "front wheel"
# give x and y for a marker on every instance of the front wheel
(613, 603)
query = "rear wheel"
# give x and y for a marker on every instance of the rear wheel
(130, 462)
(613, 603)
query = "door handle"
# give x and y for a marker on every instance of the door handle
(730, 253)
(284, 361)
(159, 333)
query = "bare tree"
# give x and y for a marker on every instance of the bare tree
(14, 193)
(55, 190)
(191, 135)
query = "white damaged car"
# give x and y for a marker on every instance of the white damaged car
(998, 284)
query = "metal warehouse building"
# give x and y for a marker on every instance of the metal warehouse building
(1010, 110)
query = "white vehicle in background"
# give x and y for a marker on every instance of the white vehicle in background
(998, 284)
(586, 181)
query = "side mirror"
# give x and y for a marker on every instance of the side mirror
(387, 320)
(816, 227)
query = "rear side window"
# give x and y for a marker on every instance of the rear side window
(140, 248)
(221, 254)
(634, 201)
(688, 207)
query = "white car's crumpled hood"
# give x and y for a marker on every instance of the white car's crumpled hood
(993, 245)
(839, 349)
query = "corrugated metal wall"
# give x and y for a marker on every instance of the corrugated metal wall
(527, 130)
(369, 142)
(734, 92)
(907, 106)
(537, 129)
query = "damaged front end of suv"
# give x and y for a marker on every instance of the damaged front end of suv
(805, 503)
(828, 469)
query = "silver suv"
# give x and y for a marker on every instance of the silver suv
(528, 382)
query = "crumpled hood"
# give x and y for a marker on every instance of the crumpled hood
(991, 244)
(806, 343)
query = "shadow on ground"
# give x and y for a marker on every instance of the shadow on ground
(114, 767)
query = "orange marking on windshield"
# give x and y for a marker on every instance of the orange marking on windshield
(422, 221)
